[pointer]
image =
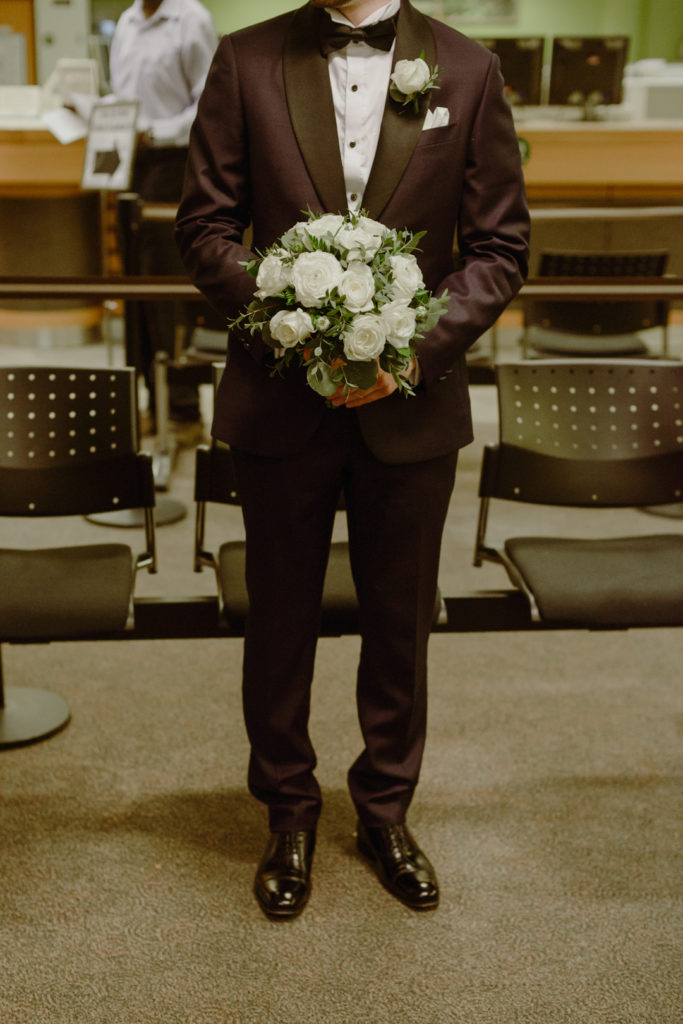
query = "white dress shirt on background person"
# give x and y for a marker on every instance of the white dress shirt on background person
(162, 61)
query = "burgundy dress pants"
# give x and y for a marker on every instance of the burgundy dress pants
(395, 517)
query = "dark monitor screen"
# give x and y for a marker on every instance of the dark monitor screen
(521, 62)
(587, 71)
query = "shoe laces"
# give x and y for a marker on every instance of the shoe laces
(398, 842)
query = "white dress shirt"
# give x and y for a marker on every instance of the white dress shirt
(162, 62)
(359, 76)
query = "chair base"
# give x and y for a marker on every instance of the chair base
(30, 715)
(166, 510)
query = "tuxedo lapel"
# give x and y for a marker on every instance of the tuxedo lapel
(311, 110)
(400, 131)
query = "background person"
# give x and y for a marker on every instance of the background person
(160, 54)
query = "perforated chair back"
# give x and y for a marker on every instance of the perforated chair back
(592, 432)
(599, 434)
(69, 442)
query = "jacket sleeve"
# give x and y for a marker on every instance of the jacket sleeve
(215, 207)
(492, 232)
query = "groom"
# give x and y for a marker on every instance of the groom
(297, 115)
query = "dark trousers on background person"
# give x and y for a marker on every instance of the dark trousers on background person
(158, 177)
(395, 517)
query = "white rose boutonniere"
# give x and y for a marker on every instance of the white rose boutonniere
(410, 80)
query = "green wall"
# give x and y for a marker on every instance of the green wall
(655, 26)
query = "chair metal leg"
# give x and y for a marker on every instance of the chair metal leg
(28, 715)
(165, 449)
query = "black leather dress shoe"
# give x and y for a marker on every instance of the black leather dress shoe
(401, 866)
(283, 877)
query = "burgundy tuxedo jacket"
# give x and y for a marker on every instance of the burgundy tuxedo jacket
(264, 150)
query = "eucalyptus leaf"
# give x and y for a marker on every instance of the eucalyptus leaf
(319, 377)
(361, 375)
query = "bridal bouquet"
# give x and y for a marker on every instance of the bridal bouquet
(341, 295)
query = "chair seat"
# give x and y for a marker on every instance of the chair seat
(544, 339)
(625, 581)
(207, 345)
(340, 604)
(65, 592)
(339, 593)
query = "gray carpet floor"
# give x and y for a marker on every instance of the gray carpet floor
(550, 803)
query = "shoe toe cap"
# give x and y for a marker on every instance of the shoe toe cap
(417, 888)
(283, 896)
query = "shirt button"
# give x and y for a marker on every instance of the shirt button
(353, 197)
(352, 145)
(354, 88)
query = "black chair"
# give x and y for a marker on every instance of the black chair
(589, 434)
(69, 447)
(595, 328)
(215, 483)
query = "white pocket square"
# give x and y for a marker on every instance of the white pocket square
(437, 118)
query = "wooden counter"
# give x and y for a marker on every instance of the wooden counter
(34, 163)
(609, 162)
(47, 223)
(603, 161)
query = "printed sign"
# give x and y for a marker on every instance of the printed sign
(110, 146)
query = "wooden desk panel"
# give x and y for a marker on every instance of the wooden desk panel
(34, 163)
(595, 162)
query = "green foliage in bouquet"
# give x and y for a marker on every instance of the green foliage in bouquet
(341, 295)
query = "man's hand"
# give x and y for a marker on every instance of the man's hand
(384, 385)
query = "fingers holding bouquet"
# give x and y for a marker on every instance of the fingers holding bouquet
(384, 386)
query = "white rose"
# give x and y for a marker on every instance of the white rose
(373, 227)
(328, 224)
(361, 244)
(411, 76)
(407, 276)
(273, 276)
(291, 326)
(399, 322)
(357, 285)
(314, 274)
(365, 337)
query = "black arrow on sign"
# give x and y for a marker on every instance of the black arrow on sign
(106, 161)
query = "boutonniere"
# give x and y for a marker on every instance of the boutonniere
(411, 79)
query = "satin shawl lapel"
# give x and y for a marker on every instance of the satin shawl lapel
(400, 131)
(311, 110)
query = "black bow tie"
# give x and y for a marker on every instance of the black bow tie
(334, 36)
